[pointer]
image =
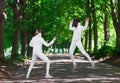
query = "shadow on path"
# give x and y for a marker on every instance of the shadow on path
(61, 69)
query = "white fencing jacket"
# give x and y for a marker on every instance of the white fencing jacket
(37, 42)
(77, 34)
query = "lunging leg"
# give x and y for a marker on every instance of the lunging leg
(31, 65)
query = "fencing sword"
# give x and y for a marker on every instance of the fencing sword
(57, 32)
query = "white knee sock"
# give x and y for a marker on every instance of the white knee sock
(73, 60)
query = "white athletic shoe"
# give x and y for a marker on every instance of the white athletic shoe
(93, 64)
(48, 76)
(27, 77)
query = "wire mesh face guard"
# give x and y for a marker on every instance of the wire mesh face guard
(75, 22)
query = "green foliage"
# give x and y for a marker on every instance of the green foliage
(104, 51)
(52, 15)
(7, 57)
(18, 58)
(116, 51)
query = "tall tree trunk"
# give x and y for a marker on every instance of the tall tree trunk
(2, 23)
(15, 43)
(86, 32)
(24, 32)
(94, 26)
(29, 49)
(118, 33)
(24, 42)
(89, 33)
(90, 36)
(90, 29)
(106, 27)
(16, 35)
(116, 23)
(86, 40)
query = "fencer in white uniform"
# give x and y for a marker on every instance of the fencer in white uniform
(77, 29)
(37, 42)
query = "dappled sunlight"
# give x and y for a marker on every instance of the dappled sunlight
(61, 70)
(118, 73)
(54, 80)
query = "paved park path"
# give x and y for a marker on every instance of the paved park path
(61, 69)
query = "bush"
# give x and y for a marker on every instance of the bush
(104, 51)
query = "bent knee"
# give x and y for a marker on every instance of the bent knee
(71, 53)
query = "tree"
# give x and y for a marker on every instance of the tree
(94, 26)
(16, 34)
(24, 30)
(88, 34)
(90, 29)
(2, 23)
(54, 15)
(116, 23)
(106, 27)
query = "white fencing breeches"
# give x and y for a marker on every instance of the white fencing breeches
(72, 48)
(41, 56)
(79, 45)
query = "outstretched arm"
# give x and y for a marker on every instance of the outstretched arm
(50, 43)
(86, 24)
(70, 25)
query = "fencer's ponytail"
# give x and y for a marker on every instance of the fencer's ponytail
(39, 31)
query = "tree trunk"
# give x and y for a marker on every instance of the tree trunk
(2, 23)
(89, 32)
(15, 44)
(24, 32)
(90, 36)
(16, 35)
(106, 30)
(29, 49)
(24, 42)
(90, 29)
(116, 23)
(106, 27)
(118, 29)
(86, 39)
(94, 26)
